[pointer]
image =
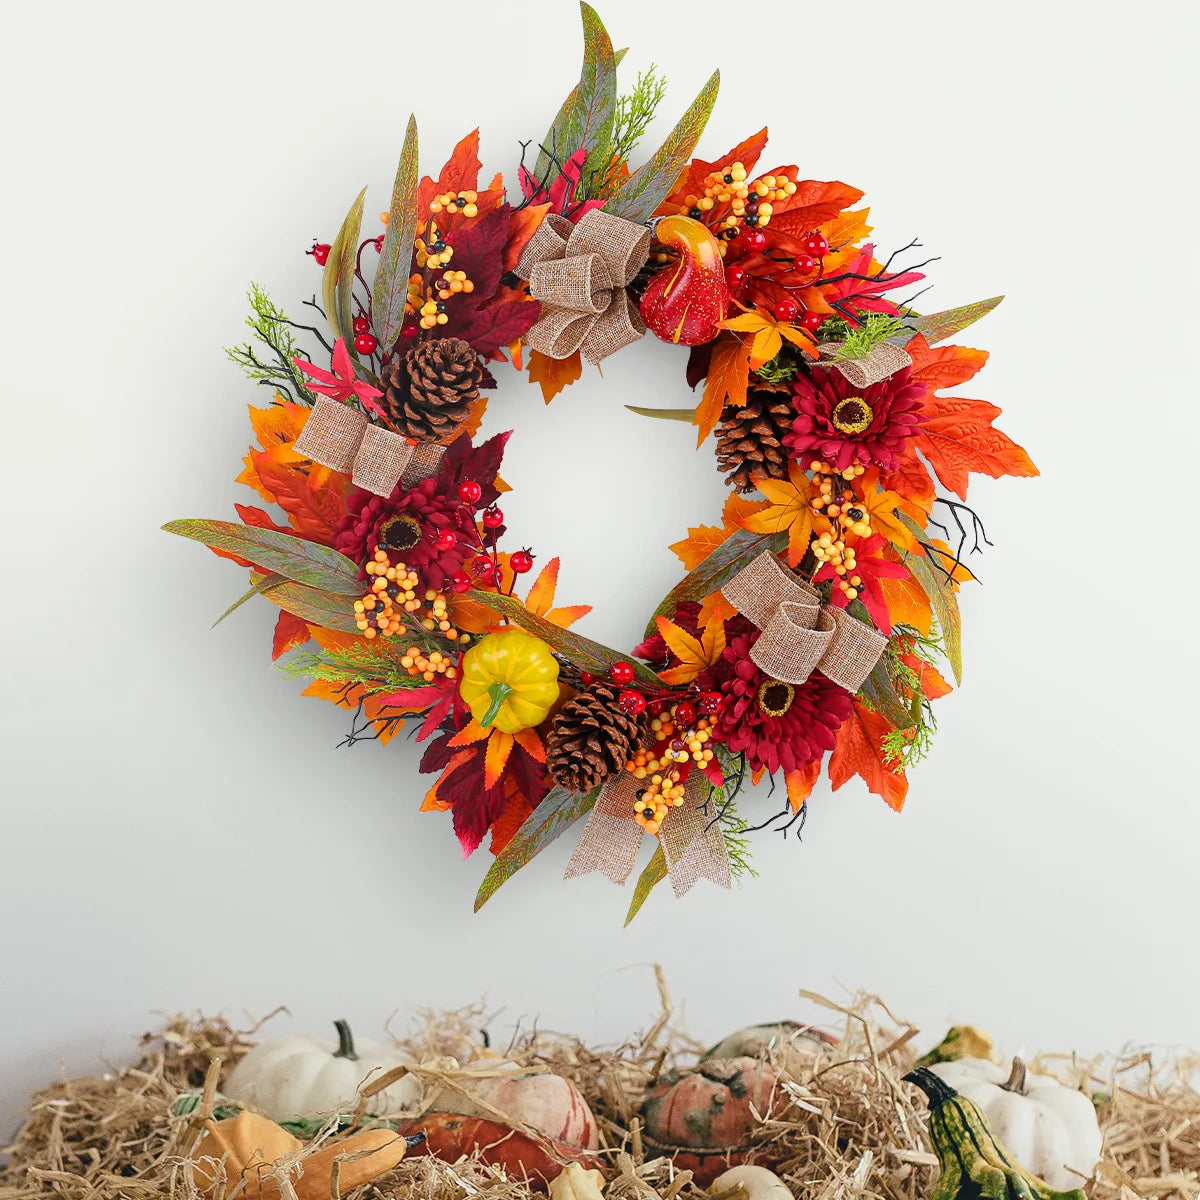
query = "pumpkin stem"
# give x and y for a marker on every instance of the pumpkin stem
(498, 692)
(345, 1042)
(1016, 1079)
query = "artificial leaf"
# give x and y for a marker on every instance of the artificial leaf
(277, 426)
(653, 874)
(871, 568)
(554, 374)
(911, 480)
(267, 581)
(460, 174)
(859, 751)
(390, 292)
(516, 812)
(290, 631)
(882, 507)
(695, 655)
(940, 591)
(878, 693)
(957, 438)
(337, 281)
(540, 599)
(638, 197)
(691, 181)
(499, 747)
(522, 225)
(700, 542)
(686, 415)
(907, 603)
(489, 328)
(812, 204)
(769, 335)
(328, 610)
(736, 552)
(478, 250)
(944, 367)
(292, 557)
(936, 327)
(789, 510)
(553, 816)
(726, 383)
(589, 121)
(341, 383)
(583, 652)
(313, 512)
(800, 783)
(842, 232)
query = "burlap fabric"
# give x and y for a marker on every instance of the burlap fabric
(690, 837)
(884, 360)
(579, 274)
(799, 633)
(377, 459)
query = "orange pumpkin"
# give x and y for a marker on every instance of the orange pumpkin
(550, 1104)
(709, 1107)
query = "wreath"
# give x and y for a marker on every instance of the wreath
(815, 624)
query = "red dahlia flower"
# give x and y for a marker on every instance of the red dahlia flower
(406, 523)
(844, 425)
(779, 726)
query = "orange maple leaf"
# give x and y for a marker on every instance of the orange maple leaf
(540, 599)
(801, 783)
(554, 374)
(789, 508)
(695, 654)
(277, 427)
(700, 542)
(691, 179)
(813, 203)
(956, 434)
(907, 603)
(522, 225)
(726, 383)
(769, 335)
(881, 507)
(859, 751)
(516, 812)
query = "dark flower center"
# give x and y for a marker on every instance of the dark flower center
(775, 698)
(400, 532)
(852, 415)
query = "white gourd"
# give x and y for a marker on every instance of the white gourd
(758, 1183)
(285, 1078)
(1051, 1130)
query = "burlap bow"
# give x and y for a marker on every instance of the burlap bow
(377, 459)
(880, 362)
(580, 273)
(799, 633)
(691, 838)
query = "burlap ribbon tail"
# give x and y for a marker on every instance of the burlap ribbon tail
(579, 274)
(879, 363)
(799, 634)
(376, 458)
(691, 838)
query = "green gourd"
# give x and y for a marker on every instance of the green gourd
(974, 1165)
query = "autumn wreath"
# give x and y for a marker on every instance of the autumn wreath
(814, 621)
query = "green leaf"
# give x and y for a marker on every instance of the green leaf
(583, 652)
(638, 197)
(329, 610)
(267, 581)
(554, 816)
(391, 276)
(292, 557)
(938, 326)
(686, 415)
(941, 595)
(337, 283)
(880, 695)
(654, 874)
(718, 569)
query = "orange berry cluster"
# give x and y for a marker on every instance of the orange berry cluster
(394, 594)
(452, 283)
(432, 250)
(845, 517)
(429, 667)
(660, 764)
(462, 202)
(428, 301)
(751, 201)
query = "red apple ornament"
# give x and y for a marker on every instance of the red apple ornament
(687, 301)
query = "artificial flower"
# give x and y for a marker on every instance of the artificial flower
(844, 425)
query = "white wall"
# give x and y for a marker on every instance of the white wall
(179, 831)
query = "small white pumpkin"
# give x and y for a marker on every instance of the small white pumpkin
(285, 1078)
(794, 1046)
(577, 1183)
(758, 1182)
(1051, 1130)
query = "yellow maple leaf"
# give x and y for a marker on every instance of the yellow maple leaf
(700, 542)
(881, 507)
(540, 599)
(277, 427)
(789, 508)
(768, 336)
(695, 654)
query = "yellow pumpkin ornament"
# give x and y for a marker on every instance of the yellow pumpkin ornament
(509, 680)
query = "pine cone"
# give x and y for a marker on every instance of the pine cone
(750, 438)
(429, 392)
(591, 739)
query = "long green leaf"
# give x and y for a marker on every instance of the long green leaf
(267, 581)
(687, 415)
(337, 283)
(718, 569)
(583, 652)
(391, 276)
(638, 197)
(879, 693)
(654, 873)
(329, 610)
(292, 557)
(554, 816)
(941, 595)
(938, 326)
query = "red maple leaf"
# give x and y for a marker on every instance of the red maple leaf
(870, 567)
(858, 287)
(340, 382)
(859, 751)
(290, 631)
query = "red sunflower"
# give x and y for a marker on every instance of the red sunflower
(844, 425)
(779, 726)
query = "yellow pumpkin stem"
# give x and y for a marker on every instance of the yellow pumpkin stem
(498, 693)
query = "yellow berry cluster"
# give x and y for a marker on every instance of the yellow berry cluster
(415, 662)
(394, 593)
(750, 201)
(462, 202)
(432, 250)
(660, 765)
(829, 548)
(839, 506)
(453, 282)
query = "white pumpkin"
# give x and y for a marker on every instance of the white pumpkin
(285, 1078)
(1051, 1130)
(758, 1182)
(794, 1046)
